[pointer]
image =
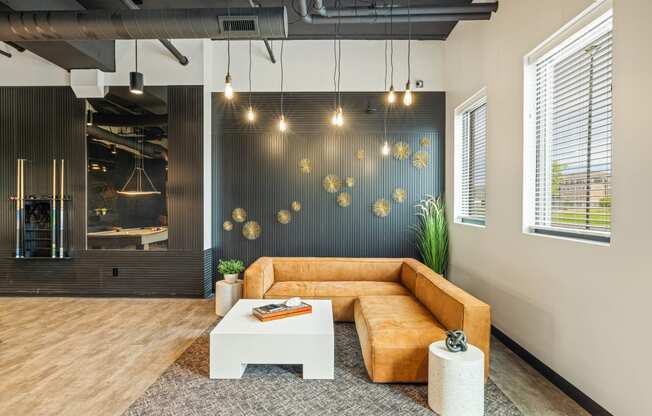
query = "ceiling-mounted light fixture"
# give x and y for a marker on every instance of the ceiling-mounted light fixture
(251, 116)
(136, 79)
(282, 123)
(114, 149)
(407, 96)
(89, 117)
(139, 183)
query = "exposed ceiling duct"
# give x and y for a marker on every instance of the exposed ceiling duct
(237, 23)
(317, 13)
(150, 150)
(142, 120)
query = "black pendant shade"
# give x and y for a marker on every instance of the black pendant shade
(136, 82)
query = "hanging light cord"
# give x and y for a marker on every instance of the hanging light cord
(409, 41)
(391, 41)
(282, 74)
(249, 74)
(228, 40)
(339, 54)
(136, 49)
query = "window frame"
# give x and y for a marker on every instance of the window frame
(558, 43)
(472, 103)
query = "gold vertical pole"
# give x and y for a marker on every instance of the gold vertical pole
(53, 209)
(61, 212)
(18, 192)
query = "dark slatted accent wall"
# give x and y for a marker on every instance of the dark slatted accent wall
(44, 122)
(256, 168)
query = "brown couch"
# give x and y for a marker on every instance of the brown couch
(399, 306)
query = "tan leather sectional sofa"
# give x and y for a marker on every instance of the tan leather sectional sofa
(399, 306)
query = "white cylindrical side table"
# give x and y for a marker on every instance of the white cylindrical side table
(455, 381)
(226, 295)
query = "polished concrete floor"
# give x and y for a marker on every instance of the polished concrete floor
(79, 356)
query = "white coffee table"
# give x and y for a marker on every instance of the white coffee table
(240, 339)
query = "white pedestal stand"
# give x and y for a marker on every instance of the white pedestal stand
(456, 381)
(226, 295)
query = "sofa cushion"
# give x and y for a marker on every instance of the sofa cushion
(395, 333)
(342, 294)
(336, 269)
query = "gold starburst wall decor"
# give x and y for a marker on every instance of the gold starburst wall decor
(284, 216)
(296, 206)
(305, 166)
(344, 199)
(350, 181)
(331, 183)
(382, 208)
(239, 215)
(401, 150)
(424, 142)
(399, 195)
(420, 160)
(359, 154)
(251, 230)
(228, 225)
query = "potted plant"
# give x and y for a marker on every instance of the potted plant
(432, 234)
(230, 269)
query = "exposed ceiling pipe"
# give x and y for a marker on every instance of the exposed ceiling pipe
(7, 54)
(317, 13)
(16, 46)
(183, 60)
(104, 136)
(198, 23)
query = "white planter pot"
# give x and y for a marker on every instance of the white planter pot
(231, 278)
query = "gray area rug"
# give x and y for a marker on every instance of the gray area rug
(185, 389)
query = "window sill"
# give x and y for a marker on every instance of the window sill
(578, 237)
(470, 223)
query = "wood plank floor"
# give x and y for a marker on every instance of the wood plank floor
(86, 356)
(71, 356)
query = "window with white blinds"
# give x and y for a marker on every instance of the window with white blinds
(572, 129)
(472, 203)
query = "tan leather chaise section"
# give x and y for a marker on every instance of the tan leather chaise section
(342, 294)
(320, 269)
(453, 307)
(395, 332)
(258, 278)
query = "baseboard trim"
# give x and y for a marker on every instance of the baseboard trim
(562, 384)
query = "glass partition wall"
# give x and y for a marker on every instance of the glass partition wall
(127, 150)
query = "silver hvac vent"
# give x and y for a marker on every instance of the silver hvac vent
(239, 26)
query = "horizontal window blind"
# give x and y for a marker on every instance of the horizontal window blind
(473, 174)
(573, 135)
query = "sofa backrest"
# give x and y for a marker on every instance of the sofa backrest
(336, 269)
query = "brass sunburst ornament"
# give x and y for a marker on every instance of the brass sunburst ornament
(420, 160)
(239, 215)
(424, 142)
(296, 206)
(251, 230)
(284, 216)
(399, 195)
(305, 166)
(344, 199)
(382, 208)
(331, 183)
(228, 225)
(350, 181)
(401, 151)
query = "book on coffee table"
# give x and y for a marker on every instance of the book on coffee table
(279, 311)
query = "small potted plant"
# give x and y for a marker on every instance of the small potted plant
(230, 269)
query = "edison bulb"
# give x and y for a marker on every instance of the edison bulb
(407, 97)
(334, 119)
(228, 88)
(391, 96)
(282, 124)
(339, 118)
(251, 116)
(385, 148)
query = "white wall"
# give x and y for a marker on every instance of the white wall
(581, 308)
(308, 65)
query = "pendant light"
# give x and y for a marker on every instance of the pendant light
(136, 79)
(251, 116)
(139, 183)
(282, 123)
(338, 115)
(89, 117)
(407, 96)
(391, 95)
(385, 149)
(228, 87)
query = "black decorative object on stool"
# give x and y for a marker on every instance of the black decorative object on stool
(456, 341)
